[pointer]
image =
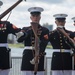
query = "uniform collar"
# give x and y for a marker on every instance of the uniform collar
(60, 26)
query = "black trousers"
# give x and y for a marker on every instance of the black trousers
(5, 58)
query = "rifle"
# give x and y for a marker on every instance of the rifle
(36, 47)
(9, 9)
(72, 42)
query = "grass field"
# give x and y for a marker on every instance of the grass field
(20, 45)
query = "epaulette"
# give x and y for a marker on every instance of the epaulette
(26, 28)
(51, 32)
(29, 28)
(68, 30)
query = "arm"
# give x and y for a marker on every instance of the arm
(71, 41)
(23, 34)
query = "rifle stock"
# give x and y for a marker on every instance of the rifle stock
(36, 55)
(9, 9)
(65, 34)
(35, 29)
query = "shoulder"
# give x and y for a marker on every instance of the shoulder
(68, 30)
(52, 32)
(45, 29)
(6, 22)
(26, 28)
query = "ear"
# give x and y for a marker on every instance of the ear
(65, 21)
(30, 17)
(55, 21)
(40, 17)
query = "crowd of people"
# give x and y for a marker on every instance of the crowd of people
(35, 39)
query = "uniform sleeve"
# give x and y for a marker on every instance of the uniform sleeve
(72, 41)
(11, 28)
(25, 32)
(44, 40)
(50, 35)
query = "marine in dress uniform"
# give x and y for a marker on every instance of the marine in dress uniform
(5, 58)
(73, 20)
(74, 38)
(27, 66)
(61, 63)
(74, 53)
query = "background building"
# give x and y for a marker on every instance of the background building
(50, 27)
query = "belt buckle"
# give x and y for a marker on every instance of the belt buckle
(62, 50)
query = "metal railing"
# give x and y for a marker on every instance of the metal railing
(16, 65)
(47, 65)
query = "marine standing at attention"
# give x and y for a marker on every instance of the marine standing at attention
(61, 63)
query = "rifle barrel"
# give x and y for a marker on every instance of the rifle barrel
(9, 9)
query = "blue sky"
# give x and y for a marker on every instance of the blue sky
(21, 17)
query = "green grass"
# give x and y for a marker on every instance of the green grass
(20, 45)
(49, 46)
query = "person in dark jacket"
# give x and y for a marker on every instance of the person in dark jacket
(5, 58)
(28, 59)
(74, 53)
(73, 20)
(61, 63)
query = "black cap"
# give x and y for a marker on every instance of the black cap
(60, 19)
(35, 13)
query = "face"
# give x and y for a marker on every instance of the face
(60, 23)
(35, 18)
(74, 23)
(74, 38)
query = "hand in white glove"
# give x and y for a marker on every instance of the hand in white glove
(33, 61)
(19, 34)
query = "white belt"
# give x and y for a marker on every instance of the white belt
(29, 47)
(61, 50)
(3, 45)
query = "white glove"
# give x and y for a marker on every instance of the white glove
(19, 34)
(33, 61)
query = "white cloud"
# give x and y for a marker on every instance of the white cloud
(48, 1)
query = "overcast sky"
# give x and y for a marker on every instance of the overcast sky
(21, 17)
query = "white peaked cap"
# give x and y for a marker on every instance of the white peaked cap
(73, 18)
(35, 9)
(1, 3)
(60, 15)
